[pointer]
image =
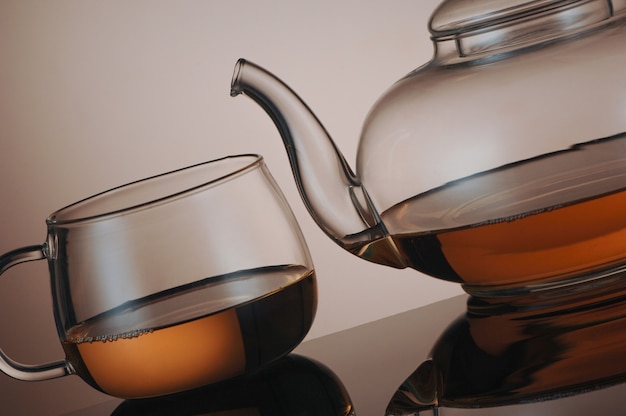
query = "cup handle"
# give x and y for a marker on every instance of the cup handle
(7, 365)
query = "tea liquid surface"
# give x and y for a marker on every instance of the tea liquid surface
(550, 217)
(154, 346)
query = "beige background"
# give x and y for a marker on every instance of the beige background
(94, 94)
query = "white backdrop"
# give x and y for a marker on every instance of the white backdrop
(97, 94)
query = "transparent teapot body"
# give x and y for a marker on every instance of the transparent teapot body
(500, 164)
(506, 166)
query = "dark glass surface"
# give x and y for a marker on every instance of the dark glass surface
(358, 370)
(293, 385)
(539, 347)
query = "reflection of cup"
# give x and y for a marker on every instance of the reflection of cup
(176, 281)
(292, 385)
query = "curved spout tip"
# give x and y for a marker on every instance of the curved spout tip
(235, 84)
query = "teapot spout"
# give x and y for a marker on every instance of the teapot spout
(331, 192)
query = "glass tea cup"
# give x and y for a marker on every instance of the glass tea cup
(175, 281)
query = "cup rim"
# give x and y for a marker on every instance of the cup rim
(65, 216)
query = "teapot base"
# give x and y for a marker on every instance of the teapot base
(554, 295)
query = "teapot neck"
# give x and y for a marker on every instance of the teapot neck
(465, 30)
(332, 193)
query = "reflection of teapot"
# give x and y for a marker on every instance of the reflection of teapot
(500, 164)
(546, 346)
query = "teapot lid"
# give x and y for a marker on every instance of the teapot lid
(497, 24)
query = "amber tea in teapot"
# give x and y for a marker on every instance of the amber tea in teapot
(565, 218)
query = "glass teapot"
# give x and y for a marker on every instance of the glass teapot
(500, 164)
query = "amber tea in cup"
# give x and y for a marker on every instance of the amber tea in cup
(174, 282)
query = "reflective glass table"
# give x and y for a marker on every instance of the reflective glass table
(438, 353)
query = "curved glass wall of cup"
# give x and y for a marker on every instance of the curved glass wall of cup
(192, 267)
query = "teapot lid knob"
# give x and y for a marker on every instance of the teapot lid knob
(483, 26)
